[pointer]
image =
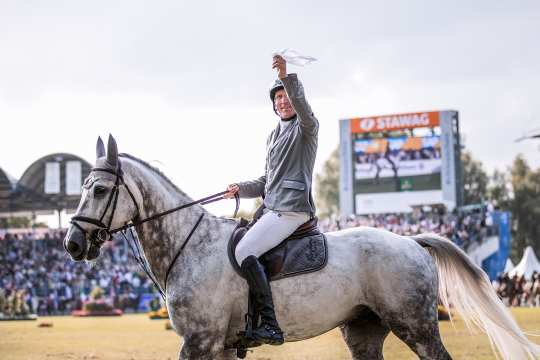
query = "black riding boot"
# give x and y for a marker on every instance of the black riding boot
(268, 332)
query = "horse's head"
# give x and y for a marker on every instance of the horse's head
(106, 203)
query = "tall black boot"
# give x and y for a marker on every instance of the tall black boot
(268, 332)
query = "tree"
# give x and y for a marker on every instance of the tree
(499, 190)
(475, 180)
(525, 207)
(327, 186)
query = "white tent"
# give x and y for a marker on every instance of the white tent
(527, 265)
(509, 265)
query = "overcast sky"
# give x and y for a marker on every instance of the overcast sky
(184, 84)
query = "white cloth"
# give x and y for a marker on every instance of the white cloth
(270, 230)
(294, 57)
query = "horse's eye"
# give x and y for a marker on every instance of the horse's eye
(100, 190)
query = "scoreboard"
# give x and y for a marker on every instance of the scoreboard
(392, 163)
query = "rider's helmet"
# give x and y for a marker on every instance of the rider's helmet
(274, 88)
(277, 85)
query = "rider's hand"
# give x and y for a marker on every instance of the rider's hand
(280, 64)
(232, 190)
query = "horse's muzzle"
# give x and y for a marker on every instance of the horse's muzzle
(75, 244)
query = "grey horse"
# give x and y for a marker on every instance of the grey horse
(375, 281)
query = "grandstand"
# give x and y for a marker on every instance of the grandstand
(51, 183)
(6, 189)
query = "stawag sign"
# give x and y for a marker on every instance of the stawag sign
(395, 122)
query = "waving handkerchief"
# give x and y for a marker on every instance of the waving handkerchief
(294, 57)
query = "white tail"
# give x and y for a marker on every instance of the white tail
(467, 288)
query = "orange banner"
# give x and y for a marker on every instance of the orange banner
(395, 122)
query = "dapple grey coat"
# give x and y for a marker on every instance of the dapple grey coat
(290, 158)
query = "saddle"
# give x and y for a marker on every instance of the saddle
(302, 252)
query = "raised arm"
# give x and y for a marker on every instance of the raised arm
(295, 92)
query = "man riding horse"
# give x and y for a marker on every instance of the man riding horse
(286, 188)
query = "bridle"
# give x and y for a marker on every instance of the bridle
(104, 233)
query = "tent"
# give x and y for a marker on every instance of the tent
(527, 265)
(509, 265)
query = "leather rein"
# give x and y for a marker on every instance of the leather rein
(104, 232)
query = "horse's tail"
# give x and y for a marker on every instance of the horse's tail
(468, 289)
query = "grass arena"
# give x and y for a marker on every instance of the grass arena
(136, 337)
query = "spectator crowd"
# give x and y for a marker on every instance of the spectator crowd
(465, 228)
(517, 290)
(38, 276)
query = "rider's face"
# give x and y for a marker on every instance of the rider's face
(282, 105)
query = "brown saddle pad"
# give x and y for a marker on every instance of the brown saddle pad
(303, 252)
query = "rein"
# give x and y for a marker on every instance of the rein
(206, 200)
(104, 232)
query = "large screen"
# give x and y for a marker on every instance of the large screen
(392, 163)
(399, 163)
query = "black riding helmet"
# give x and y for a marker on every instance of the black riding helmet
(277, 85)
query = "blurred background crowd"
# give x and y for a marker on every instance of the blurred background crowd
(465, 228)
(516, 290)
(37, 275)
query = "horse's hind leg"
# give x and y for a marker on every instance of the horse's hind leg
(365, 336)
(410, 309)
(420, 331)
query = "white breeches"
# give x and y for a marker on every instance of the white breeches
(270, 230)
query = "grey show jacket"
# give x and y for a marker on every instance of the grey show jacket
(290, 158)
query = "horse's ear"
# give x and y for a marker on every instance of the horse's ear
(100, 148)
(112, 152)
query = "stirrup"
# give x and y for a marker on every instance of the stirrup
(245, 338)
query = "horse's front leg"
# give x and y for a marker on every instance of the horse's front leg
(203, 335)
(205, 346)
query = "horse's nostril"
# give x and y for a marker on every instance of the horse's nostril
(73, 248)
(93, 253)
